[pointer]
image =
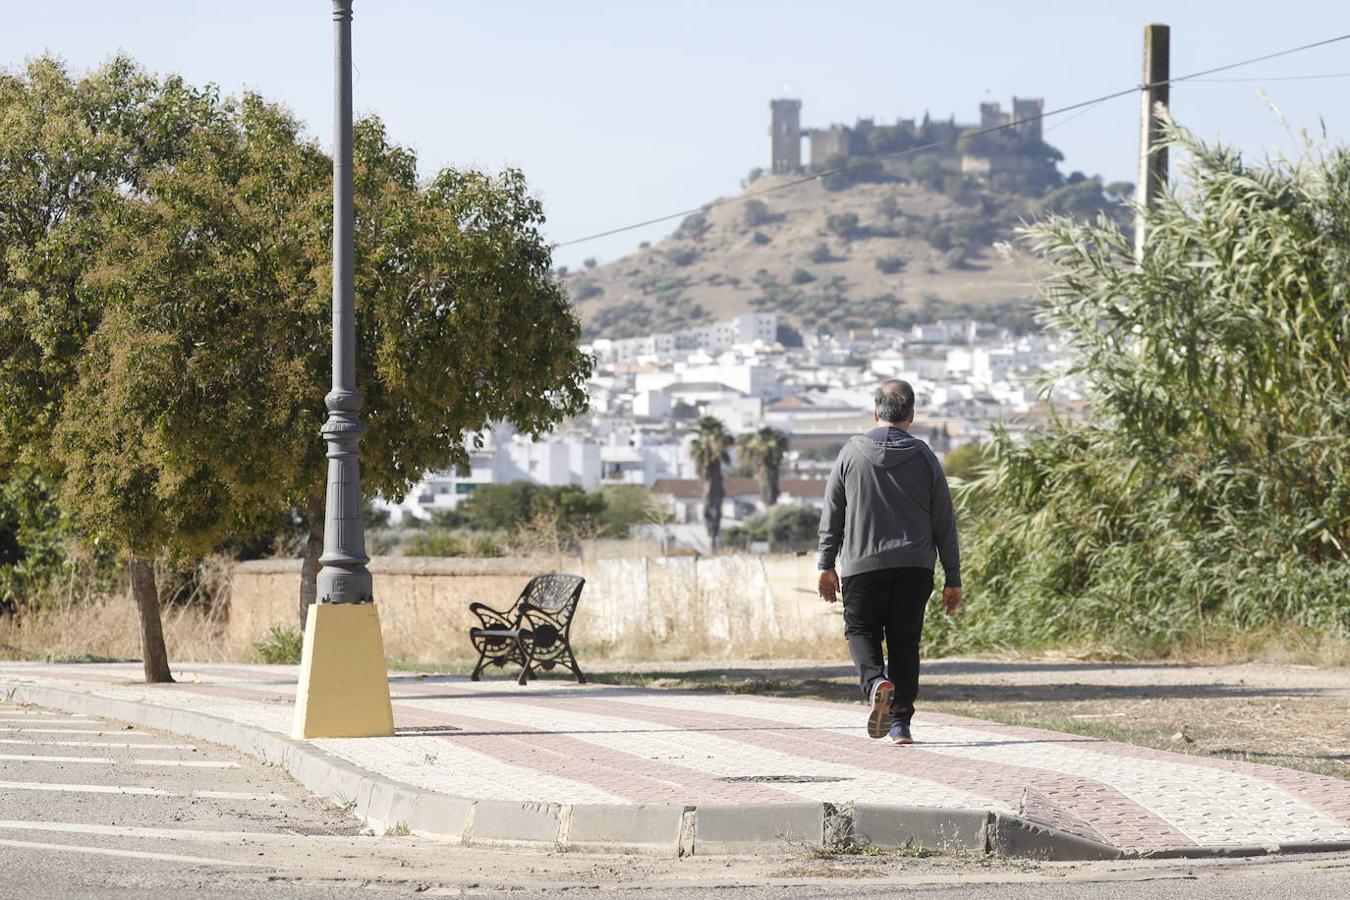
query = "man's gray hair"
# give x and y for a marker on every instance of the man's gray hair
(894, 401)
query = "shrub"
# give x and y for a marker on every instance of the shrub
(802, 276)
(756, 213)
(1208, 491)
(682, 256)
(589, 262)
(434, 542)
(845, 225)
(585, 289)
(282, 645)
(693, 227)
(820, 253)
(760, 237)
(889, 264)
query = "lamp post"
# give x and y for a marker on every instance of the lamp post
(343, 689)
(344, 577)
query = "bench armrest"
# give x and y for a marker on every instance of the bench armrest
(491, 618)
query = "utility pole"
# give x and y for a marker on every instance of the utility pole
(343, 689)
(1154, 101)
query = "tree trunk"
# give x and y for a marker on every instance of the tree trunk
(768, 485)
(309, 569)
(154, 657)
(713, 493)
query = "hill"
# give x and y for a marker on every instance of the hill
(834, 256)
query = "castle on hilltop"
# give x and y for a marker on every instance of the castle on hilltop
(1022, 155)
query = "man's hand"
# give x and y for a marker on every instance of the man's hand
(951, 599)
(828, 587)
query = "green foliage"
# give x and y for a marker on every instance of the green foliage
(570, 511)
(625, 505)
(787, 527)
(282, 645)
(845, 225)
(682, 256)
(1080, 199)
(443, 542)
(889, 265)
(33, 542)
(584, 289)
(826, 453)
(820, 253)
(755, 213)
(692, 227)
(965, 461)
(173, 275)
(802, 276)
(589, 262)
(855, 170)
(1212, 487)
(764, 450)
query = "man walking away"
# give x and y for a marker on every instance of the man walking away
(887, 515)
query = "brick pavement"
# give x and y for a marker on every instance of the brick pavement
(557, 742)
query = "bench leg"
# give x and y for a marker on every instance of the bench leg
(572, 664)
(527, 657)
(478, 669)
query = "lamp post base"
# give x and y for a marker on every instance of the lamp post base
(344, 686)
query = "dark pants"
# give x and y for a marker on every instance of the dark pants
(888, 604)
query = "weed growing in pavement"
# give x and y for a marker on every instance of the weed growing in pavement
(281, 644)
(399, 830)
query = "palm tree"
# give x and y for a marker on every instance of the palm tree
(764, 450)
(710, 449)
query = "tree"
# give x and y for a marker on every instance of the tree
(169, 310)
(71, 148)
(711, 449)
(764, 450)
(787, 527)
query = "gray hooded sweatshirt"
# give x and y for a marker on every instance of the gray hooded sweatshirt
(887, 506)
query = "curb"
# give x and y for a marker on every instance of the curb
(382, 804)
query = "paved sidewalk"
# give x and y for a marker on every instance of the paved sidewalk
(555, 745)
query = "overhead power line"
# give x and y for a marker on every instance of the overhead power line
(1083, 104)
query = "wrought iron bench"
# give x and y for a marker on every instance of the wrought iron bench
(534, 633)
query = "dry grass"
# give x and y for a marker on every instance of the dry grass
(103, 626)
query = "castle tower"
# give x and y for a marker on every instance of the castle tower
(1026, 108)
(785, 136)
(992, 116)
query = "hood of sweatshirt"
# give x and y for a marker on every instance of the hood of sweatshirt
(888, 453)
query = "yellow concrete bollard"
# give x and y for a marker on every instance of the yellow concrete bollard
(344, 686)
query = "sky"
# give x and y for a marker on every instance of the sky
(619, 111)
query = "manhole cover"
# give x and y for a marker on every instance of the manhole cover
(424, 729)
(784, 779)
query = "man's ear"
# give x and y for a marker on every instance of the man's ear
(876, 416)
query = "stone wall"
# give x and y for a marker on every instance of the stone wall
(649, 607)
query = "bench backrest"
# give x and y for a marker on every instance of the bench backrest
(555, 593)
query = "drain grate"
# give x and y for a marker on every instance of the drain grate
(784, 779)
(424, 729)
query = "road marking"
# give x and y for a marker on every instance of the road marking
(4, 721)
(185, 763)
(142, 791)
(117, 731)
(83, 788)
(108, 744)
(21, 757)
(129, 854)
(239, 795)
(170, 834)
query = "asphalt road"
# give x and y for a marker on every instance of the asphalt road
(94, 809)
